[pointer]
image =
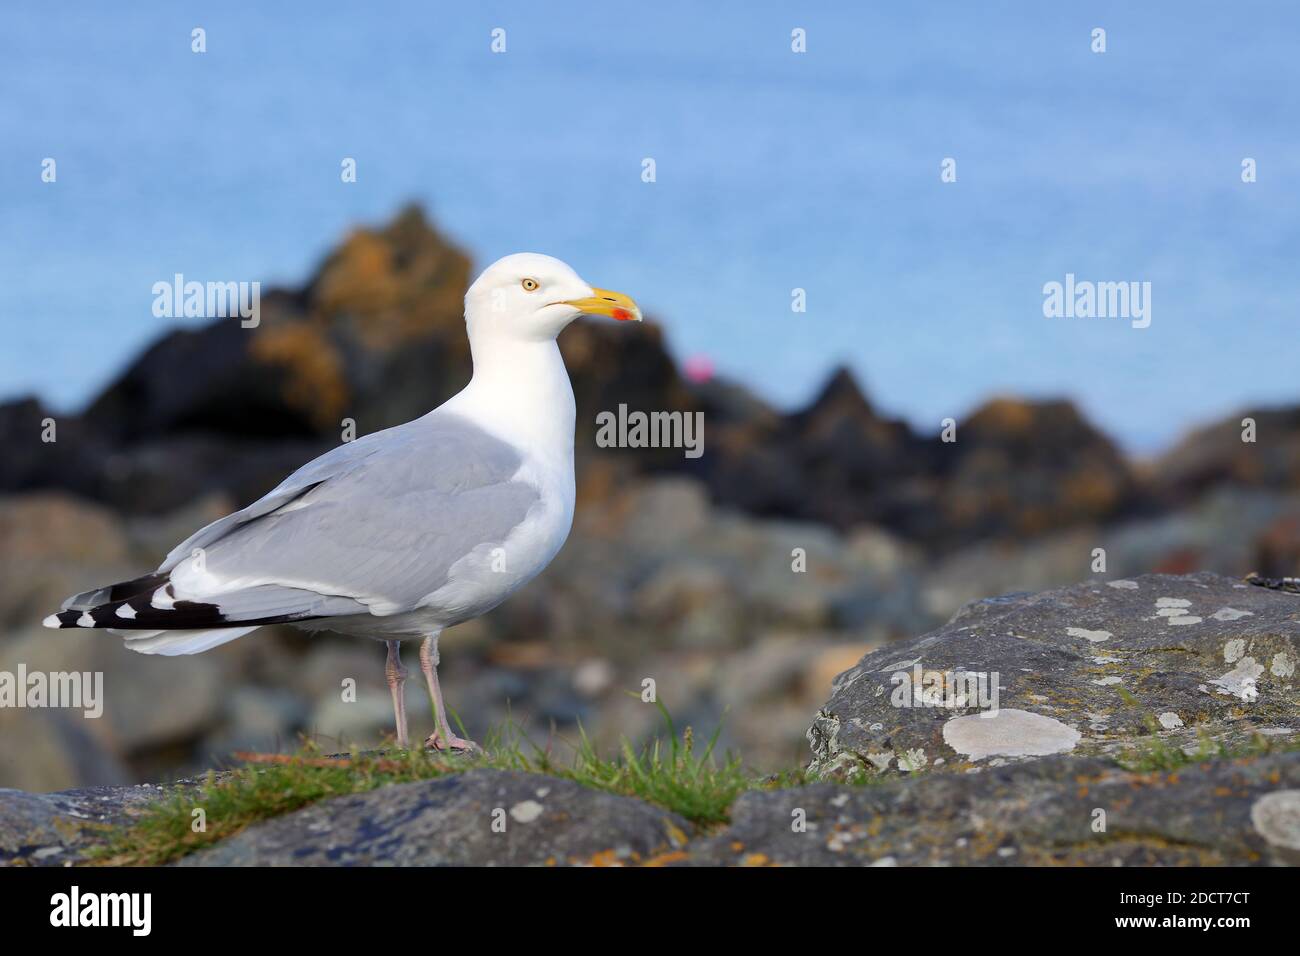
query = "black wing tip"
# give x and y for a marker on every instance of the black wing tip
(141, 615)
(103, 615)
(64, 619)
(116, 593)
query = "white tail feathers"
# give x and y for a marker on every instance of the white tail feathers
(174, 643)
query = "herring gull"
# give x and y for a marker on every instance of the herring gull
(402, 533)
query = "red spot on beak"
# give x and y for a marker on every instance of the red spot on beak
(623, 315)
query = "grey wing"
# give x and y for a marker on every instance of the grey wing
(375, 530)
(333, 464)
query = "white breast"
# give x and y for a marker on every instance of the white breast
(488, 575)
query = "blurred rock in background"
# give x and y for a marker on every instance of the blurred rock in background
(681, 571)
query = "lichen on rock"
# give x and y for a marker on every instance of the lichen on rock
(1163, 675)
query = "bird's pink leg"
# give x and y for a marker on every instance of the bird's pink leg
(442, 738)
(396, 675)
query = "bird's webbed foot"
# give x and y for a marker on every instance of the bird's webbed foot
(452, 744)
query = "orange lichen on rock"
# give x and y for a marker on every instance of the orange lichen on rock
(1006, 415)
(316, 384)
(393, 285)
(663, 859)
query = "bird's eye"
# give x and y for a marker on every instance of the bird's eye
(530, 285)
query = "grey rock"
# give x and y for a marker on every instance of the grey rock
(665, 512)
(329, 663)
(343, 723)
(54, 829)
(149, 701)
(53, 749)
(1118, 662)
(694, 603)
(1226, 531)
(257, 718)
(449, 821)
(151, 704)
(1227, 813)
(52, 544)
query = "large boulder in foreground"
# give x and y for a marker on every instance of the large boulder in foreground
(539, 821)
(1193, 661)
(1041, 813)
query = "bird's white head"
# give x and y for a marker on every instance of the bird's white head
(531, 296)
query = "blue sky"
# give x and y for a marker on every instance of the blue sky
(774, 171)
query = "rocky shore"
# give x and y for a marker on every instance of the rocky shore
(1153, 720)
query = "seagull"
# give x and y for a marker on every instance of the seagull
(402, 533)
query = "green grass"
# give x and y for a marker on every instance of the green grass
(1158, 755)
(673, 772)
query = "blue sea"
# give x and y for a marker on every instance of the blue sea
(774, 171)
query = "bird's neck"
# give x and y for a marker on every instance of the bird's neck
(521, 390)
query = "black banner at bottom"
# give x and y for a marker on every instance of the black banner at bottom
(335, 905)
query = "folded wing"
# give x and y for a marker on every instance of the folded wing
(371, 527)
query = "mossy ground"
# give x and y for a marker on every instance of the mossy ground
(1157, 755)
(673, 772)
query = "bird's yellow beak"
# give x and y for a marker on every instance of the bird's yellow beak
(616, 305)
